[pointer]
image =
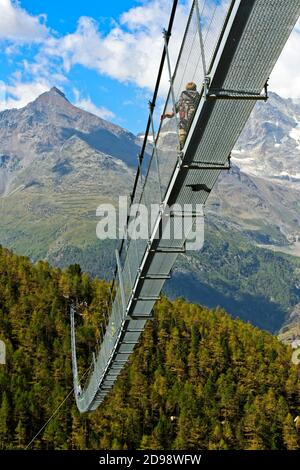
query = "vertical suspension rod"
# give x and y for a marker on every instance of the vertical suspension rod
(171, 80)
(73, 343)
(121, 284)
(127, 248)
(171, 77)
(151, 108)
(143, 149)
(200, 38)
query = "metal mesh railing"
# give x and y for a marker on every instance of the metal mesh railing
(201, 36)
(265, 25)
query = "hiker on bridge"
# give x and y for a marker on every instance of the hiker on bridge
(186, 107)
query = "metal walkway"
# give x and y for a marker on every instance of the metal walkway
(229, 51)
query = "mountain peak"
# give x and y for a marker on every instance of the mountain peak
(52, 99)
(56, 91)
(54, 95)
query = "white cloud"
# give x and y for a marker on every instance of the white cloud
(285, 78)
(20, 94)
(150, 16)
(130, 52)
(88, 105)
(2, 95)
(19, 26)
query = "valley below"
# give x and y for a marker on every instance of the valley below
(58, 163)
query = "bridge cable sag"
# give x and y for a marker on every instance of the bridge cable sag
(238, 48)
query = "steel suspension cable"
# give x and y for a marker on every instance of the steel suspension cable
(54, 413)
(153, 103)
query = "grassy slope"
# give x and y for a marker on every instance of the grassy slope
(256, 284)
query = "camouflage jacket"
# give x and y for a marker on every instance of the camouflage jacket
(186, 107)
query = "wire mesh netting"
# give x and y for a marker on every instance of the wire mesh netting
(203, 28)
(195, 61)
(200, 39)
(268, 24)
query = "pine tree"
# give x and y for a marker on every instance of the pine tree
(198, 379)
(4, 422)
(20, 435)
(290, 434)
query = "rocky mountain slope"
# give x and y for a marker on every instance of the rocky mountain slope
(58, 163)
(266, 211)
(39, 142)
(269, 146)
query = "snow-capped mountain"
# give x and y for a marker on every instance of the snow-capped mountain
(269, 146)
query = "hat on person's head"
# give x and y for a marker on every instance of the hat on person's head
(191, 86)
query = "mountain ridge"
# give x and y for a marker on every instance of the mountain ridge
(52, 187)
(40, 130)
(274, 151)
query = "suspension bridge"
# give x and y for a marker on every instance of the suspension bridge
(228, 50)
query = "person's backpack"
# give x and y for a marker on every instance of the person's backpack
(188, 103)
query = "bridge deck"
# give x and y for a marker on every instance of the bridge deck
(246, 46)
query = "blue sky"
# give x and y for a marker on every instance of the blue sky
(103, 55)
(63, 15)
(122, 102)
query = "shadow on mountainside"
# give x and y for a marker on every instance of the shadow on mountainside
(106, 142)
(257, 310)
